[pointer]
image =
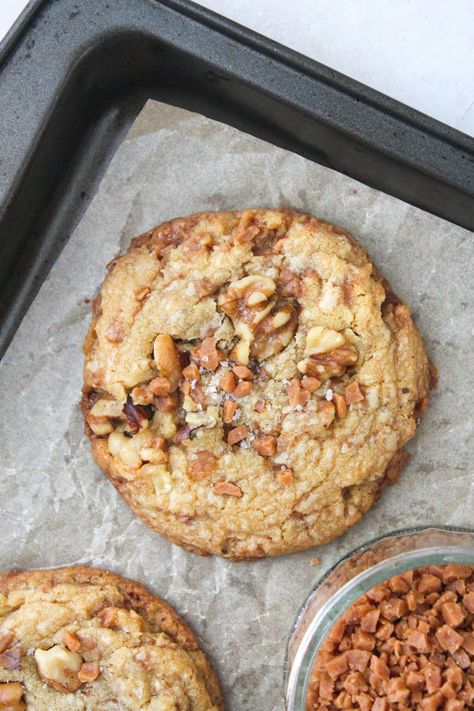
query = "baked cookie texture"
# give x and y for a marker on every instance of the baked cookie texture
(82, 639)
(250, 381)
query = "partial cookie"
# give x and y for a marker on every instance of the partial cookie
(81, 639)
(250, 381)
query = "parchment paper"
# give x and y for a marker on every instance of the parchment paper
(57, 506)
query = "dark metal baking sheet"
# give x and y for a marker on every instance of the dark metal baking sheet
(74, 73)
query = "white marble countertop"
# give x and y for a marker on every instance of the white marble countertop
(420, 52)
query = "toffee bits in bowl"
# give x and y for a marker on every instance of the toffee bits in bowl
(406, 644)
(250, 381)
(390, 627)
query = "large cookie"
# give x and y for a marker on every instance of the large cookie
(81, 639)
(250, 381)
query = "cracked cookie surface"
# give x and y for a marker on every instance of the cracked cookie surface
(82, 639)
(250, 381)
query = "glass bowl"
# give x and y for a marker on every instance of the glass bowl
(352, 577)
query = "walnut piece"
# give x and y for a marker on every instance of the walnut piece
(323, 340)
(241, 352)
(274, 332)
(142, 394)
(98, 417)
(155, 451)
(246, 300)
(327, 354)
(248, 303)
(137, 416)
(126, 449)
(100, 426)
(167, 361)
(106, 408)
(58, 667)
(207, 419)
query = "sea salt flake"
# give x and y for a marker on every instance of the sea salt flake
(329, 394)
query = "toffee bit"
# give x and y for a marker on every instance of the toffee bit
(11, 694)
(207, 355)
(243, 388)
(226, 488)
(191, 372)
(115, 332)
(407, 643)
(202, 466)
(353, 393)
(237, 434)
(228, 382)
(88, 672)
(160, 386)
(310, 384)
(296, 395)
(285, 477)
(72, 641)
(266, 445)
(229, 410)
(243, 372)
(340, 404)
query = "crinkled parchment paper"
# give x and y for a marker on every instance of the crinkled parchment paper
(57, 506)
